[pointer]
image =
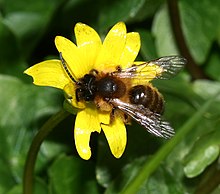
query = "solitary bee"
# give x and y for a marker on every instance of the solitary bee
(127, 92)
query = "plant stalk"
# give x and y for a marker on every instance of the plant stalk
(49, 125)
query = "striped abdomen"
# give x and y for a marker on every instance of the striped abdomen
(148, 96)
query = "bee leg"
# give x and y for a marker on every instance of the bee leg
(127, 119)
(112, 115)
(117, 113)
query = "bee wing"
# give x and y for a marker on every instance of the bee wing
(171, 65)
(161, 68)
(151, 121)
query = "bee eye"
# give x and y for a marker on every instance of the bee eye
(88, 96)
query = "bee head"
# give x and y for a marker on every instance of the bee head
(86, 88)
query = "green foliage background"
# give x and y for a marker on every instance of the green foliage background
(189, 163)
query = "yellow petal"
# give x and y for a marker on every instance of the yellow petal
(149, 68)
(72, 57)
(132, 47)
(116, 136)
(104, 117)
(88, 42)
(148, 72)
(49, 73)
(70, 95)
(112, 48)
(87, 121)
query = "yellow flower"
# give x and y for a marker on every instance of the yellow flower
(118, 49)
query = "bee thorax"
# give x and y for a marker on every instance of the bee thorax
(110, 87)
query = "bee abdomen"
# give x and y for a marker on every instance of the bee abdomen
(148, 96)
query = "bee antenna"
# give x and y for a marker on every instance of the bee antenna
(66, 68)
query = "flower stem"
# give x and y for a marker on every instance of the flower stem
(193, 68)
(44, 131)
(210, 179)
(150, 166)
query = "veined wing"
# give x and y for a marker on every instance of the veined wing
(161, 68)
(151, 121)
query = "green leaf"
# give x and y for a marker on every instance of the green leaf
(8, 180)
(119, 11)
(140, 143)
(72, 175)
(162, 181)
(126, 10)
(175, 87)
(212, 66)
(216, 191)
(210, 87)
(33, 23)
(200, 21)
(204, 152)
(207, 147)
(9, 56)
(15, 190)
(127, 172)
(148, 50)
(29, 21)
(164, 38)
(23, 108)
(40, 188)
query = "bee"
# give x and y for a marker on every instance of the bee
(129, 94)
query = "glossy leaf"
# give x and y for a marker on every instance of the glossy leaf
(40, 187)
(164, 38)
(131, 10)
(162, 181)
(108, 167)
(27, 20)
(205, 151)
(21, 110)
(212, 67)
(72, 174)
(202, 17)
(148, 50)
(8, 64)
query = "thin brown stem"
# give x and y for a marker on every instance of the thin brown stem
(195, 71)
(210, 180)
